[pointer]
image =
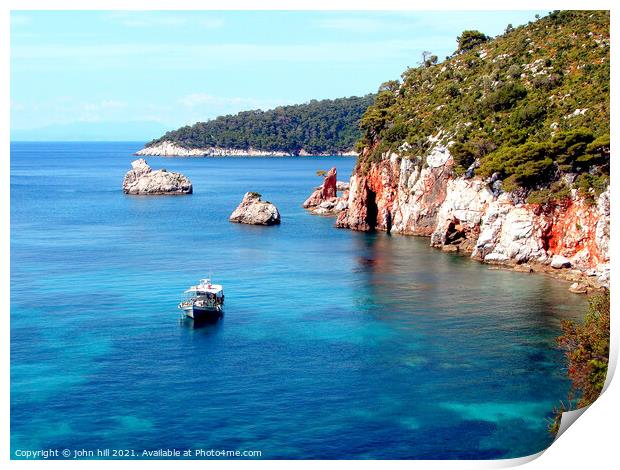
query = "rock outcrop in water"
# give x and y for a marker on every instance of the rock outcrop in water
(254, 211)
(142, 180)
(470, 215)
(324, 200)
(326, 191)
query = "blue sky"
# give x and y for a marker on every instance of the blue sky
(121, 75)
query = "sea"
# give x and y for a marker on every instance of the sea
(334, 344)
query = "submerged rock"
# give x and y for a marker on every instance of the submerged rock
(142, 180)
(254, 211)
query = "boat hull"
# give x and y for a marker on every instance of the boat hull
(204, 313)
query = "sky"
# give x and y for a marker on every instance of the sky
(131, 75)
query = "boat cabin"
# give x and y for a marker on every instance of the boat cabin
(204, 295)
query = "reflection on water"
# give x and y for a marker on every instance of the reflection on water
(210, 325)
(335, 344)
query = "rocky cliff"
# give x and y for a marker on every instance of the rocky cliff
(474, 216)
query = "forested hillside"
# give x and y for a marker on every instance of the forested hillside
(326, 126)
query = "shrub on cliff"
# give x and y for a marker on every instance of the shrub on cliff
(555, 193)
(587, 352)
(505, 97)
(533, 164)
(470, 39)
(376, 118)
(465, 154)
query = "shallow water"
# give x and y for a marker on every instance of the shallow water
(334, 344)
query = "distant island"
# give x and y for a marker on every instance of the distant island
(325, 127)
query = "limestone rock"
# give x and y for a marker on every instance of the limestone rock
(577, 288)
(523, 268)
(172, 149)
(464, 206)
(168, 148)
(603, 224)
(142, 180)
(438, 157)
(559, 262)
(398, 194)
(496, 258)
(450, 248)
(254, 211)
(356, 216)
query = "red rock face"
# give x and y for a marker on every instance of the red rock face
(380, 194)
(571, 232)
(326, 191)
(371, 199)
(393, 195)
(356, 216)
(329, 184)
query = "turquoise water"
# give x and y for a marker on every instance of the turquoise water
(334, 344)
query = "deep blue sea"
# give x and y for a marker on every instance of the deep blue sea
(334, 344)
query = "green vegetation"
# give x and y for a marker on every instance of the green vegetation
(531, 105)
(556, 192)
(587, 352)
(327, 126)
(470, 39)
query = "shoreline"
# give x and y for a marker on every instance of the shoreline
(586, 284)
(171, 149)
(338, 155)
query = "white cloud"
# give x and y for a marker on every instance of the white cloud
(207, 56)
(357, 25)
(63, 109)
(103, 105)
(201, 99)
(143, 19)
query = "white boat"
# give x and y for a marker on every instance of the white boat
(204, 301)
